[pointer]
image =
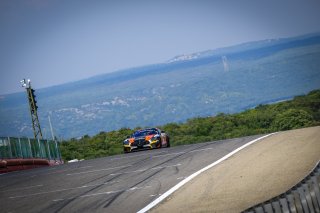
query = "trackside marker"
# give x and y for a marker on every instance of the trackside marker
(189, 178)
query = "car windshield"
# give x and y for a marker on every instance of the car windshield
(144, 133)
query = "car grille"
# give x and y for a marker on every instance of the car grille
(139, 142)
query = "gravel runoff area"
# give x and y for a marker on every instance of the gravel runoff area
(257, 173)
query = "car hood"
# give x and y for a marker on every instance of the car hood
(148, 137)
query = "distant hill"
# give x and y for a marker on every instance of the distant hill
(225, 80)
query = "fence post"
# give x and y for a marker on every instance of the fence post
(48, 147)
(31, 155)
(20, 148)
(57, 152)
(10, 150)
(40, 150)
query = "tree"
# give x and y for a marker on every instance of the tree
(292, 119)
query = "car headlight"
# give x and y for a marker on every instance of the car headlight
(154, 138)
(125, 142)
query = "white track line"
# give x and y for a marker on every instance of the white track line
(187, 179)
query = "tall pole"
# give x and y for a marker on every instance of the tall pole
(33, 108)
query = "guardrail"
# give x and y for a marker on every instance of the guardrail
(302, 198)
(11, 147)
(24, 153)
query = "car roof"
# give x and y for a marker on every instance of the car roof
(147, 129)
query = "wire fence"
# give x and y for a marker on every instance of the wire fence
(11, 148)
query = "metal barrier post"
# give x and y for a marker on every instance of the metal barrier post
(10, 150)
(58, 153)
(284, 205)
(31, 155)
(21, 155)
(40, 150)
(308, 197)
(276, 206)
(49, 154)
(316, 188)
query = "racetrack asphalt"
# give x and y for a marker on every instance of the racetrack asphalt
(121, 183)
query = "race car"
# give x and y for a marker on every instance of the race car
(150, 138)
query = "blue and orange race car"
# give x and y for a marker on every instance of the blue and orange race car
(150, 138)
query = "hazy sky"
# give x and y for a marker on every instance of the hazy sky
(58, 41)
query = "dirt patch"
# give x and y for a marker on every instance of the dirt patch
(253, 175)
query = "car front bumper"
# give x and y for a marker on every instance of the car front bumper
(140, 145)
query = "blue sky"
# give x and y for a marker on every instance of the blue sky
(54, 42)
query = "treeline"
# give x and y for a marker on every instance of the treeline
(302, 111)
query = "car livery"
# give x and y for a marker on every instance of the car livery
(150, 138)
